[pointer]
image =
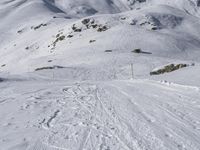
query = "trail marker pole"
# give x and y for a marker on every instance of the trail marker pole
(132, 75)
(53, 74)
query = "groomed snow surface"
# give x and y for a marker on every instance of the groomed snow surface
(127, 115)
(66, 78)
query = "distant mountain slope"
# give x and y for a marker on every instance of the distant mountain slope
(90, 7)
(81, 8)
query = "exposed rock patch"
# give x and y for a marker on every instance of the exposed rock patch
(168, 68)
(49, 68)
(39, 26)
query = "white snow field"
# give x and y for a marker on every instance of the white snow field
(66, 81)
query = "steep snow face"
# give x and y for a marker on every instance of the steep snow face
(23, 11)
(189, 6)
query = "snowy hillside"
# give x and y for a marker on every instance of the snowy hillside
(99, 74)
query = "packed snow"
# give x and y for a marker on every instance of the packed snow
(99, 75)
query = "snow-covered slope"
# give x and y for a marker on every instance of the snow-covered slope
(65, 70)
(176, 35)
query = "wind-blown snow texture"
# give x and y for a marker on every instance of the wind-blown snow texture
(66, 81)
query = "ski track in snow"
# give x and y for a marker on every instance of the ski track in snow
(124, 115)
